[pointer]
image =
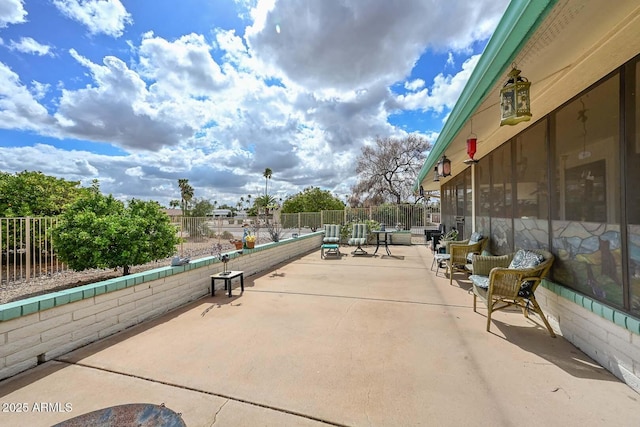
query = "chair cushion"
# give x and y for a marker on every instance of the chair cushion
(442, 257)
(331, 233)
(357, 241)
(475, 238)
(524, 259)
(480, 281)
(359, 231)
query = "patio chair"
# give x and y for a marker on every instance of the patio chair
(331, 233)
(514, 285)
(331, 241)
(441, 254)
(359, 235)
(460, 253)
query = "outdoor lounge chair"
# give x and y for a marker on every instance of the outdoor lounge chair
(514, 285)
(461, 251)
(331, 233)
(331, 241)
(359, 235)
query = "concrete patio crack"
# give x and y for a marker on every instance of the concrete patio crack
(215, 416)
(210, 393)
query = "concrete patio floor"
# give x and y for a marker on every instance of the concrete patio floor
(356, 341)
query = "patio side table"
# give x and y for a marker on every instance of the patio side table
(227, 277)
(386, 240)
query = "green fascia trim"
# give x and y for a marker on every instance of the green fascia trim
(31, 305)
(621, 319)
(517, 25)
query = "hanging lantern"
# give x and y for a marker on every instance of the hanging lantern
(444, 166)
(436, 177)
(421, 191)
(515, 104)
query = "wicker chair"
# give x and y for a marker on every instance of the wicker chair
(459, 254)
(510, 280)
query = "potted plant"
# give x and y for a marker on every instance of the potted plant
(237, 243)
(450, 236)
(250, 241)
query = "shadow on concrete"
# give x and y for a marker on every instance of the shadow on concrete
(558, 351)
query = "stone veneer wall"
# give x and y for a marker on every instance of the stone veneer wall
(608, 336)
(38, 329)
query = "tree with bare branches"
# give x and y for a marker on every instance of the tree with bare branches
(387, 171)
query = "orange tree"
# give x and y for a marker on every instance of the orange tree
(99, 231)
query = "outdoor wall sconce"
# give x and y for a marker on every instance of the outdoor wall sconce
(421, 191)
(436, 177)
(444, 166)
(515, 104)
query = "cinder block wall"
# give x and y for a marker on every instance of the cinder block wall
(38, 329)
(609, 337)
(401, 238)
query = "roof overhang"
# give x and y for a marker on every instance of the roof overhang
(562, 47)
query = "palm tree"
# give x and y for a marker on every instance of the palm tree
(267, 176)
(186, 192)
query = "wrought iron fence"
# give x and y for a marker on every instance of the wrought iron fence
(406, 217)
(27, 251)
(26, 247)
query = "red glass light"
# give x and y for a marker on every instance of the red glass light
(471, 146)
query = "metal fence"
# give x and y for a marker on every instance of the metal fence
(26, 247)
(406, 217)
(27, 251)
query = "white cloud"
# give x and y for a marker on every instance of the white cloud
(450, 61)
(99, 16)
(414, 84)
(351, 44)
(29, 45)
(39, 90)
(444, 92)
(18, 107)
(12, 12)
(118, 109)
(184, 66)
(217, 108)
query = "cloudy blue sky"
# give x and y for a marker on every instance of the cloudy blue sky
(138, 94)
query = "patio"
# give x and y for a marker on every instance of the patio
(352, 341)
